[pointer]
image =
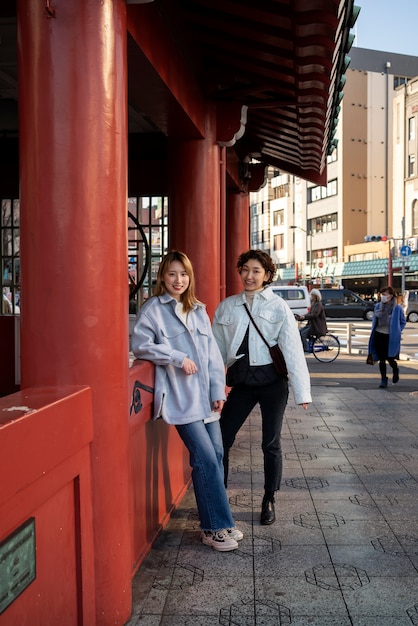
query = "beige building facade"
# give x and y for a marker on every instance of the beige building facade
(365, 194)
(405, 174)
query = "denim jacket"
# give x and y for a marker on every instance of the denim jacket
(277, 323)
(162, 337)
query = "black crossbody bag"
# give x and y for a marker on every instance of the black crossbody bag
(275, 352)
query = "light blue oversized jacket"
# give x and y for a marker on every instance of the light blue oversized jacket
(396, 326)
(162, 337)
(277, 323)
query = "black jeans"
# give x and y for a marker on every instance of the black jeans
(239, 404)
(381, 343)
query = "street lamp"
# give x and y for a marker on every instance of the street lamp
(293, 227)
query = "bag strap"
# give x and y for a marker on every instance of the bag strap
(255, 325)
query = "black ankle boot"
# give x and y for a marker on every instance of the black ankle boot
(384, 383)
(268, 515)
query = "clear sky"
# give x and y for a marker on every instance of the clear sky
(388, 25)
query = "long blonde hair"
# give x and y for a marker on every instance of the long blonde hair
(188, 298)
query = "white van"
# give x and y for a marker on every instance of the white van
(296, 296)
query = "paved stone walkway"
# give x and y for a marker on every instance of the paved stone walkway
(344, 548)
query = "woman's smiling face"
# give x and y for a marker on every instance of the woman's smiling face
(253, 275)
(176, 279)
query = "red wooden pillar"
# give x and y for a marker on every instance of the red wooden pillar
(194, 197)
(237, 238)
(73, 154)
(222, 213)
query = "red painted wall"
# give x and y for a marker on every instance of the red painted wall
(45, 469)
(160, 470)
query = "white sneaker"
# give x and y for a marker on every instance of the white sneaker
(235, 533)
(219, 540)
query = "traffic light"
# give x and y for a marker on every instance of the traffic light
(375, 238)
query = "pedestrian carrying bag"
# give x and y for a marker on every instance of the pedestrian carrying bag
(275, 352)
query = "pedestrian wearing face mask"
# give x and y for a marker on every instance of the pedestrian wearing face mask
(385, 338)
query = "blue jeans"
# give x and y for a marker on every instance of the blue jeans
(204, 442)
(272, 400)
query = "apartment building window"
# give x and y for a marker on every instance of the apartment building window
(319, 193)
(411, 128)
(278, 242)
(323, 224)
(411, 165)
(399, 80)
(278, 218)
(332, 188)
(415, 218)
(281, 191)
(260, 224)
(331, 158)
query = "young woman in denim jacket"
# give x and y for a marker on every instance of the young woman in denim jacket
(173, 331)
(385, 338)
(257, 380)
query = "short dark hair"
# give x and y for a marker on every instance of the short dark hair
(388, 290)
(263, 258)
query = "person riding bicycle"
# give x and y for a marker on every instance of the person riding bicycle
(317, 324)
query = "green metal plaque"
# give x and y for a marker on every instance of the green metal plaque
(17, 563)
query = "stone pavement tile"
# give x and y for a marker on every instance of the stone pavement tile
(377, 558)
(300, 597)
(290, 532)
(187, 620)
(403, 524)
(380, 620)
(384, 596)
(323, 620)
(148, 620)
(383, 460)
(208, 597)
(353, 532)
(347, 508)
(289, 561)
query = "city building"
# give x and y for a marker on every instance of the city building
(315, 232)
(405, 178)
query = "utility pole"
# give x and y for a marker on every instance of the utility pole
(293, 227)
(403, 258)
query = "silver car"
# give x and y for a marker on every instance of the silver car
(410, 305)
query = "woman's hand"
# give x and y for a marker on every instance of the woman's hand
(218, 405)
(189, 367)
(304, 405)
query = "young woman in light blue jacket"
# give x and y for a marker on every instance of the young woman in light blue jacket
(173, 331)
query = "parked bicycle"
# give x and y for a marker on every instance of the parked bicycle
(325, 348)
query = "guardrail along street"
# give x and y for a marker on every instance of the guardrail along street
(354, 337)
